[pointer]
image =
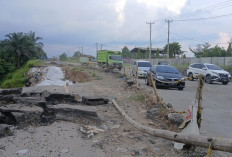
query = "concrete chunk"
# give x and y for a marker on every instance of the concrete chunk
(71, 112)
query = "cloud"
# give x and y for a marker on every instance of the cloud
(174, 6)
(223, 39)
(119, 8)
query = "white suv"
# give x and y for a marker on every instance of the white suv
(211, 72)
(143, 67)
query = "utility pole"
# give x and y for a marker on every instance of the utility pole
(168, 21)
(96, 48)
(150, 23)
(81, 49)
(101, 46)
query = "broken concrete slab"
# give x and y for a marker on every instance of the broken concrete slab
(36, 94)
(6, 99)
(61, 98)
(5, 130)
(30, 101)
(94, 101)
(20, 108)
(176, 118)
(72, 112)
(13, 114)
(11, 91)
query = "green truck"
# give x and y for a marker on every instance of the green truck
(110, 59)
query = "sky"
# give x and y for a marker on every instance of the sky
(66, 26)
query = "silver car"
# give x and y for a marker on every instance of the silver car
(143, 67)
(211, 72)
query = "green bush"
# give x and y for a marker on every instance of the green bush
(5, 68)
(18, 78)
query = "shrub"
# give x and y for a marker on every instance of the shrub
(18, 78)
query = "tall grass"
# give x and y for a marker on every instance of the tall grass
(18, 78)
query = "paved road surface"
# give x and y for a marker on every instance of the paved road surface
(217, 105)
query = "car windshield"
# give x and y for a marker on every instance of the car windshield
(167, 69)
(213, 67)
(117, 58)
(144, 64)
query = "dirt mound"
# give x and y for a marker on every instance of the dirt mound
(76, 76)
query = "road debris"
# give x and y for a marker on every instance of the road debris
(91, 130)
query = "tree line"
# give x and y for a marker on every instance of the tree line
(202, 50)
(18, 48)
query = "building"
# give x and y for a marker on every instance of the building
(143, 50)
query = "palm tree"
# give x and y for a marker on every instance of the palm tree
(23, 47)
(17, 44)
(174, 49)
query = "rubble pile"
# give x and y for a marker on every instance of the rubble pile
(22, 109)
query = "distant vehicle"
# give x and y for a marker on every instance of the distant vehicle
(143, 67)
(165, 76)
(211, 72)
(110, 59)
(92, 61)
(162, 63)
(84, 60)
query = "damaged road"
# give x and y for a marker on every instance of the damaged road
(50, 122)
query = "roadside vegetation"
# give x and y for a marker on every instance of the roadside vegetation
(137, 98)
(182, 68)
(15, 51)
(19, 77)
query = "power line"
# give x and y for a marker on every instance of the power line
(207, 18)
(196, 39)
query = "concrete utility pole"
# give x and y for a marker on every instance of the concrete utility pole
(101, 46)
(150, 23)
(168, 21)
(96, 48)
(81, 49)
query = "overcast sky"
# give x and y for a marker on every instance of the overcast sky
(67, 25)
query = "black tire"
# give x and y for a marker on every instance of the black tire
(208, 79)
(180, 88)
(190, 75)
(225, 83)
(157, 86)
(132, 73)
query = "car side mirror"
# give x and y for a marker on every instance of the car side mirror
(204, 68)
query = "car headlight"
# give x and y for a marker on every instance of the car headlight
(215, 73)
(160, 77)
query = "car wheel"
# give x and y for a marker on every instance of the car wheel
(157, 86)
(180, 88)
(225, 83)
(191, 75)
(208, 79)
(133, 73)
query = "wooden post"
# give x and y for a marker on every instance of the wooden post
(159, 99)
(130, 72)
(190, 139)
(199, 99)
(137, 78)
